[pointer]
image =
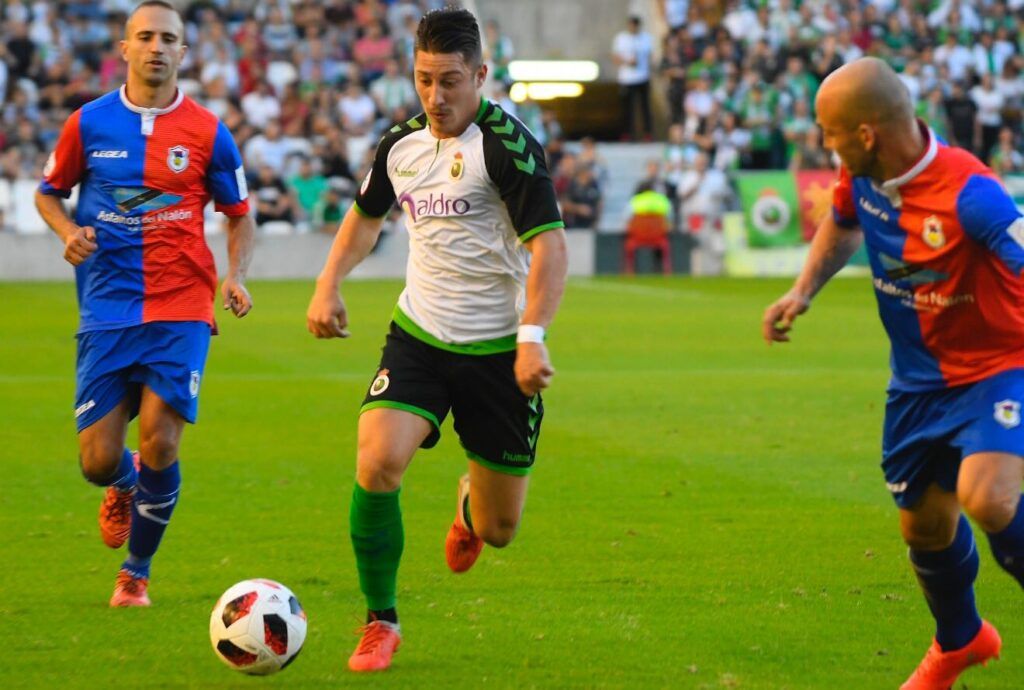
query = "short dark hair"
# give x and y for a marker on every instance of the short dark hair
(450, 30)
(166, 4)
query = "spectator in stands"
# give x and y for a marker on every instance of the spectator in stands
(357, 109)
(809, 154)
(758, 111)
(1005, 159)
(731, 143)
(267, 149)
(328, 211)
(261, 105)
(703, 194)
(673, 71)
(274, 203)
(372, 51)
(589, 155)
(631, 53)
(498, 52)
(279, 36)
(392, 91)
(581, 206)
(307, 187)
(989, 118)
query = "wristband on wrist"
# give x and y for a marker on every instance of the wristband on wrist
(530, 334)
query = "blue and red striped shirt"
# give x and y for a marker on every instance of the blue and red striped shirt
(946, 247)
(146, 174)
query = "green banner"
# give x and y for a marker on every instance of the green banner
(770, 208)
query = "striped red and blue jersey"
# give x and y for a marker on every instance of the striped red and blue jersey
(946, 247)
(146, 174)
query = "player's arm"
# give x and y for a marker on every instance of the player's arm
(831, 248)
(241, 237)
(225, 179)
(545, 285)
(990, 217)
(326, 316)
(65, 169)
(79, 241)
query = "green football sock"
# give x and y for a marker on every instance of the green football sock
(375, 523)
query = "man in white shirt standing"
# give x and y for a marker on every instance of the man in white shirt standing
(631, 52)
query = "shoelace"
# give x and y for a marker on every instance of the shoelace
(117, 505)
(373, 635)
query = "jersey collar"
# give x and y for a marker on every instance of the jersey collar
(923, 162)
(179, 97)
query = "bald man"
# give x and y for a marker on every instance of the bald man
(147, 160)
(946, 246)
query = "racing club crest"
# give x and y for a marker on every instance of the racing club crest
(932, 233)
(1008, 413)
(381, 383)
(177, 158)
(458, 167)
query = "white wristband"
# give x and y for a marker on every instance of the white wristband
(530, 334)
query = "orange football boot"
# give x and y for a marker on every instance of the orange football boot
(462, 546)
(116, 513)
(939, 669)
(130, 590)
(379, 643)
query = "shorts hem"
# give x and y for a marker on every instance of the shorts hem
(405, 407)
(517, 471)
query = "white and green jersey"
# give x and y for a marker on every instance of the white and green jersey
(469, 203)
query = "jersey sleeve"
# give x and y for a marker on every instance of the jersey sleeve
(376, 193)
(843, 210)
(225, 178)
(515, 162)
(66, 164)
(988, 214)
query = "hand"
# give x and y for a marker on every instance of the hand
(80, 245)
(533, 368)
(236, 297)
(326, 316)
(779, 317)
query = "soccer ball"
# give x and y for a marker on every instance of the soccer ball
(257, 627)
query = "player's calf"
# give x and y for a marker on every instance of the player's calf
(1008, 545)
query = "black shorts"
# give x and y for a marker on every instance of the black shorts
(497, 424)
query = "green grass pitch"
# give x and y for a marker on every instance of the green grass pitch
(706, 512)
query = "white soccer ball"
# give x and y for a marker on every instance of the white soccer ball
(257, 627)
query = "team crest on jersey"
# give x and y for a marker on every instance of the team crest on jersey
(1008, 413)
(381, 383)
(932, 233)
(177, 158)
(458, 167)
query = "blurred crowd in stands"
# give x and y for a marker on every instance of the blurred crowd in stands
(740, 78)
(307, 86)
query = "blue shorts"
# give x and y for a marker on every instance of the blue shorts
(165, 356)
(928, 434)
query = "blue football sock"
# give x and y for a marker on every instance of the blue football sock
(947, 578)
(156, 494)
(124, 476)
(1008, 545)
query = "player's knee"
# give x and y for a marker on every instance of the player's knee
(377, 469)
(991, 507)
(99, 461)
(932, 537)
(158, 450)
(498, 533)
